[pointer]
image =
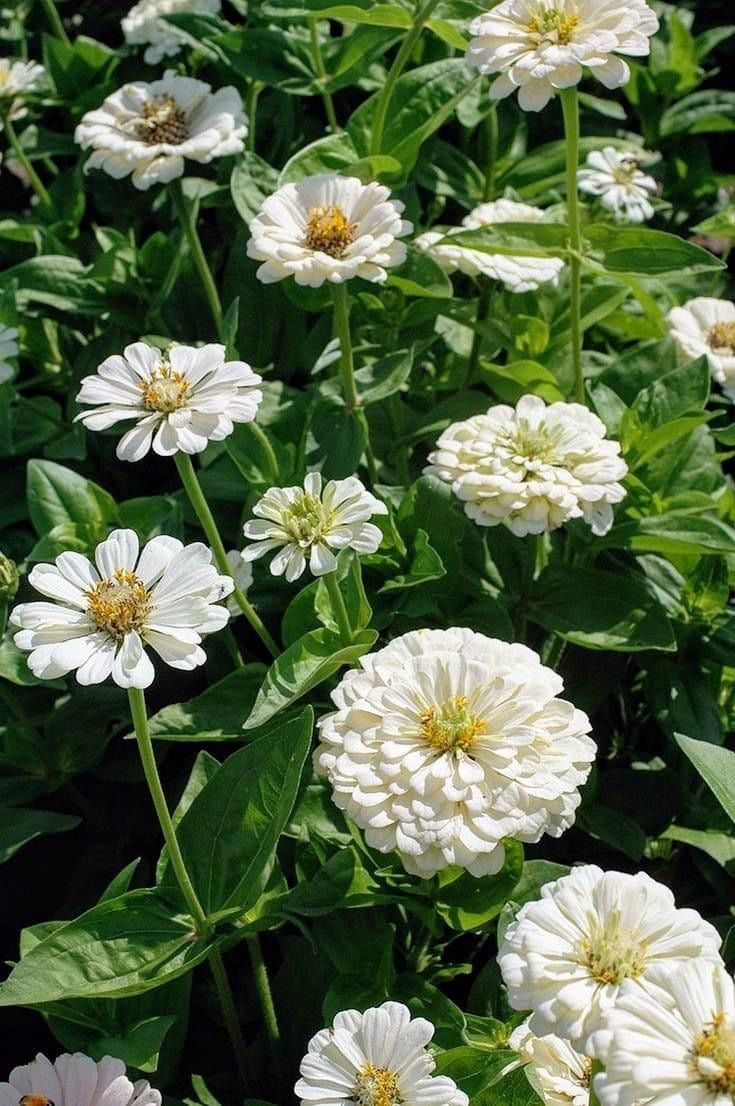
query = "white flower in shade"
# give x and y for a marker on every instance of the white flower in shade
(75, 1080)
(446, 741)
(310, 525)
(539, 46)
(623, 188)
(145, 25)
(565, 956)
(328, 228)
(103, 614)
(17, 79)
(180, 400)
(675, 1044)
(557, 1072)
(705, 327)
(8, 348)
(533, 467)
(242, 573)
(378, 1058)
(147, 131)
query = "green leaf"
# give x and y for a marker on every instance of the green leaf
(251, 182)
(337, 438)
(141, 1045)
(720, 225)
(350, 583)
(468, 903)
(18, 826)
(356, 11)
(648, 252)
(216, 714)
(720, 846)
(514, 239)
(425, 565)
(513, 1090)
(613, 827)
(56, 495)
(716, 766)
(474, 1069)
(420, 275)
(672, 534)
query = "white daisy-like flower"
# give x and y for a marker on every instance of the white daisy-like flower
(375, 1058)
(103, 614)
(615, 176)
(705, 327)
(75, 1080)
(532, 467)
(17, 79)
(446, 741)
(8, 348)
(565, 956)
(145, 25)
(557, 1072)
(181, 400)
(310, 525)
(539, 46)
(328, 228)
(242, 573)
(147, 131)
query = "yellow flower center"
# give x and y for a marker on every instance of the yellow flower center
(451, 726)
(162, 120)
(165, 390)
(553, 24)
(625, 173)
(613, 954)
(329, 231)
(118, 604)
(376, 1087)
(717, 1044)
(722, 337)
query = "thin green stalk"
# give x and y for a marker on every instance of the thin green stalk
(265, 997)
(339, 610)
(55, 21)
(553, 651)
(251, 111)
(185, 213)
(347, 364)
(22, 157)
(483, 307)
(491, 152)
(229, 1014)
(570, 109)
(193, 489)
(269, 453)
(321, 72)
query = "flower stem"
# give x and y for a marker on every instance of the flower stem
(570, 109)
(251, 109)
(268, 452)
(193, 489)
(491, 152)
(263, 988)
(483, 307)
(321, 72)
(339, 610)
(55, 21)
(22, 157)
(186, 216)
(347, 370)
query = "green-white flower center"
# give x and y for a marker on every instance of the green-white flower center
(548, 23)
(613, 953)
(625, 173)
(714, 1055)
(162, 120)
(119, 604)
(533, 446)
(376, 1087)
(306, 521)
(165, 390)
(721, 338)
(329, 231)
(452, 727)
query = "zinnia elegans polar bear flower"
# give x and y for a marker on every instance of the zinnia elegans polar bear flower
(328, 228)
(706, 327)
(565, 956)
(76, 1080)
(539, 46)
(8, 348)
(145, 25)
(445, 742)
(103, 614)
(148, 130)
(616, 178)
(17, 78)
(557, 1072)
(309, 524)
(533, 467)
(378, 1058)
(180, 400)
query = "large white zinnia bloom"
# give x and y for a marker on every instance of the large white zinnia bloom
(533, 467)
(75, 1080)
(623, 189)
(8, 348)
(565, 956)
(446, 741)
(539, 46)
(705, 327)
(144, 25)
(103, 614)
(147, 131)
(180, 400)
(328, 228)
(375, 1058)
(557, 1072)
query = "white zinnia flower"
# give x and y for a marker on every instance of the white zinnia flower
(565, 956)
(557, 1072)
(148, 130)
(166, 596)
(17, 78)
(533, 467)
(8, 348)
(446, 741)
(309, 524)
(145, 25)
(75, 1080)
(328, 228)
(616, 178)
(538, 46)
(706, 327)
(180, 400)
(242, 573)
(378, 1058)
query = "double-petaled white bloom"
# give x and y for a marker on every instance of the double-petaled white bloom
(705, 327)
(76, 1080)
(17, 79)
(145, 25)
(328, 228)
(8, 348)
(375, 1058)
(446, 741)
(147, 131)
(565, 956)
(180, 400)
(310, 525)
(103, 614)
(557, 1072)
(533, 467)
(539, 46)
(617, 179)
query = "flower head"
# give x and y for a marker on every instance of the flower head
(617, 179)
(378, 1058)
(148, 130)
(557, 1072)
(566, 955)
(539, 46)
(76, 1080)
(533, 467)
(308, 524)
(446, 741)
(328, 228)
(103, 614)
(705, 327)
(8, 348)
(145, 25)
(17, 79)
(180, 400)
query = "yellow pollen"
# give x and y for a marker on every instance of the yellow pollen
(722, 337)
(613, 954)
(552, 24)
(717, 1044)
(451, 726)
(328, 230)
(376, 1087)
(162, 120)
(118, 604)
(165, 390)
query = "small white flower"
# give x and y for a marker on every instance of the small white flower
(706, 327)
(445, 742)
(565, 956)
(242, 573)
(328, 228)
(623, 189)
(17, 79)
(378, 1058)
(76, 1080)
(180, 400)
(148, 130)
(144, 25)
(166, 596)
(533, 467)
(309, 524)
(8, 348)
(557, 1072)
(539, 46)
